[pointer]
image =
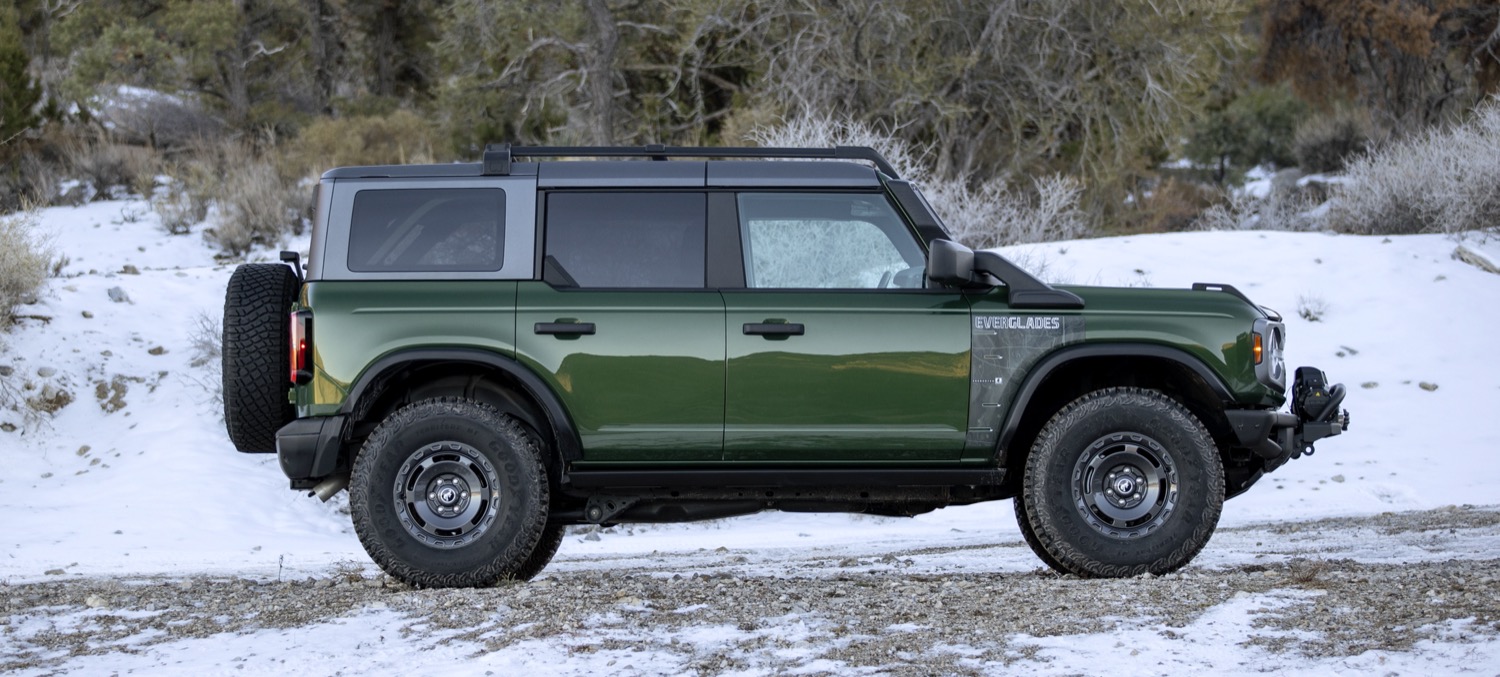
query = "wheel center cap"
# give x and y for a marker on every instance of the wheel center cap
(1124, 485)
(447, 496)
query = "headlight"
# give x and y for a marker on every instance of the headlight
(1269, 350)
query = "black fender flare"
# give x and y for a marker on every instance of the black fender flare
(565, 434)
(1039, 373)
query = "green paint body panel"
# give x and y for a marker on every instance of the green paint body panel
(1211, 326)
(648, 385)
(877, 376)
(357, 323)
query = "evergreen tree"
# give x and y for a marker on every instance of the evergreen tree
(19, 94)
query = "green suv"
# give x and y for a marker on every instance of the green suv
(486, 353)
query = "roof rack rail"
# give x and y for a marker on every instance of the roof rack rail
(497, 156)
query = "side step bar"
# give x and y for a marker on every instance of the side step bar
(782, 477)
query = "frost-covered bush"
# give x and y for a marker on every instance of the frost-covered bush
(1446, 180)
(179, 208)
(990, 214)
(25, 259)
(1280, 210)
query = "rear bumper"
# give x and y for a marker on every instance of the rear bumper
(308, 448)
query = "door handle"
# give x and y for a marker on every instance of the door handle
(565, 328)
(773, 329)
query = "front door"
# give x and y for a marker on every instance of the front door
(836, 350)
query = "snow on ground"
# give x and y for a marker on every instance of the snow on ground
(135, 475)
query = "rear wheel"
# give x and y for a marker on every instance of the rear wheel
(256, 356)
(449, 492)
(1123, 481)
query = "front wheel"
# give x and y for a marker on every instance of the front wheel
(447, 493)
(1122, 481)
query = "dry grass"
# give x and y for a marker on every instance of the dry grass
(398, 138)
(1172, 206)
(254, 203)
(112, 169)
(25, 261)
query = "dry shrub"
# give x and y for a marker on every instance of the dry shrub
(110, 168)
(206, 336)
(398, 138)
(1173, 206)
(25, 260)
(179, 208)
(1327, 142)
(991, 214)
(1441, 181)
(254, 204)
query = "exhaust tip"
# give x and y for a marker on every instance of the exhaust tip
(330, 487)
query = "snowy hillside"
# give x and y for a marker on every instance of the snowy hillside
(133, 474)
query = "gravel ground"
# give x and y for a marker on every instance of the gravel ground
(859, 614)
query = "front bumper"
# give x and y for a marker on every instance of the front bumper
(1279, 436)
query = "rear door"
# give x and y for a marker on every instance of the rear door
(624, 326)
(836, 351)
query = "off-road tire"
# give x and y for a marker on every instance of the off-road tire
(1029, 534)
(256, 359)
(546, 548)
(459, 437)
(1153, 445)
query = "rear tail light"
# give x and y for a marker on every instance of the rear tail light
(301, 347)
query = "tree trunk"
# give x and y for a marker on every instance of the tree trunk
(598, 68)
(322, 46)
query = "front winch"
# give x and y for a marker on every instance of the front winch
(1316, 406)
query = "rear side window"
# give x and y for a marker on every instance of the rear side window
(626, 240)
(427, 230)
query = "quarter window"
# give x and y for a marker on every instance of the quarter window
(826, 241)
(626, 240)
(427, 230)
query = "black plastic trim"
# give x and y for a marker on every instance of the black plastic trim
(564, 433)
(565, 328)
(1227, 289)
(308, 448)
(1062, 356)
(496, 160)
(660, 152)
(725, 267)
(773, 329)
(928, 226)
(784, 477)
(1026, 291)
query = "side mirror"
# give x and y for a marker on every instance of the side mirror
(950, 263)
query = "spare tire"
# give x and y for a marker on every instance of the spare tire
(257, 308)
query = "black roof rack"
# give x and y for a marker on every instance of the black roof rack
(497, 156)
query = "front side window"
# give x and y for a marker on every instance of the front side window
(427, 230)
(626, 240)
(826, 241)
